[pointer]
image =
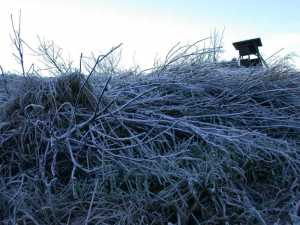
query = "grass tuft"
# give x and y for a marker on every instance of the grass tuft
(187, 143)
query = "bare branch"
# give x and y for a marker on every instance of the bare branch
(18, 43)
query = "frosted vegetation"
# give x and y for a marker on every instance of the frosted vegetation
(191, 141)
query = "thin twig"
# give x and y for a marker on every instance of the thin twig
(18, 43)
(99, 59)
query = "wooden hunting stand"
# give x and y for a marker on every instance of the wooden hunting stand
(246, 49)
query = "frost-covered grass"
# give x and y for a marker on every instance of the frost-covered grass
(189, 143)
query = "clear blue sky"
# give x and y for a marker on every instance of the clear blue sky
(150, 28)
(264, 14)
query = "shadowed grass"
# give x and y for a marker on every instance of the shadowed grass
(192, 143)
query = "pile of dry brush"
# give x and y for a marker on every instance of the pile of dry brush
(188, 143)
